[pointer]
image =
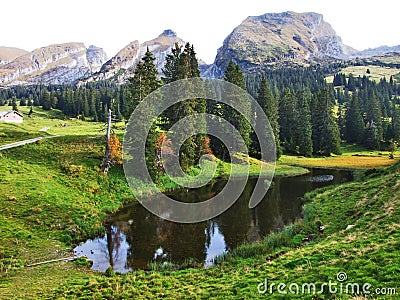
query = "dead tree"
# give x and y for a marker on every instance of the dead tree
(106, 163)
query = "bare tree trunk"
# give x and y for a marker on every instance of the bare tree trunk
(106, 163)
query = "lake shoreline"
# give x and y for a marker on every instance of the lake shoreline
(47, 218)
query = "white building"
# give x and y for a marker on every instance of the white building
(11, 116)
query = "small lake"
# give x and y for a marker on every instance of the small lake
(135, 237)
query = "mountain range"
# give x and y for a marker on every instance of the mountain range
(271, 40)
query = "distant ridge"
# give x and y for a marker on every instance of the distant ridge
(271, 40)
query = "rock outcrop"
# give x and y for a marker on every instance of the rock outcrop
(121, 66)
(54, 64)
(280, 38)
(272, 40)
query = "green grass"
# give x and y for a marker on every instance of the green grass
(353, 157)
(376, 72)
(52, 196)
(54, 121)
(368, 253)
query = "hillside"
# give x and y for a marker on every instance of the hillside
(271, 40)
(46, 207)
(121, 66)
(54, 64)
(281, 39)
(366, 253)
(8, 54)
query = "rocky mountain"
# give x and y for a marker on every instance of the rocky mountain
(376, 51)
(280, 39)
(8, 54)
(121, 66)
(54, 64)
(271, 40)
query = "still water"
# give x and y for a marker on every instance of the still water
(135, 237)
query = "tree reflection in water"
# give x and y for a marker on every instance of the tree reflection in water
(134, 237)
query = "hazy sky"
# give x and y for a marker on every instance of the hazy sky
(30, 24)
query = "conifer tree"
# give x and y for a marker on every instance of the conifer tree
(287, 120)
(143, 82)
(354, 124)
(303, 130)
(326, 136)
(234, 74)
(14, 105)
(270, 106)
(183, 64)
(374, 130)
(45, 100)
(395, 121)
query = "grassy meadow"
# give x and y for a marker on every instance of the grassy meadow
(53, 196)
(376, 72)
(353, 157)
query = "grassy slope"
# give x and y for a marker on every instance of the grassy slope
(376, 72)
(53, 119)
(368, 253)
(52, 195)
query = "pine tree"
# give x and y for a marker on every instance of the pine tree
(143, 82)
(341, 121)
(395, 122)
(351, 84)
(270, 106)
(233, 74)
(374, 130)
(326, 136)
(85, 106)
(182, 64)
(287, 120)
(14, 105)
(303, 131)
(354, 124)
(45, 100)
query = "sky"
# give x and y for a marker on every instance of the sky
(113, 24)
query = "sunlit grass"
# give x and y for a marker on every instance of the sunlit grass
(354, 156)
(43, 123)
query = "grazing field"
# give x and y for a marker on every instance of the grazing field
(43, 123)
(376, 72)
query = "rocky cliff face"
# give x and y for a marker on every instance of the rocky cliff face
(281, 38)
(161, 47)
(55, 64)
(96, 58)
(121, 66)
(123, 60)
(270, 40)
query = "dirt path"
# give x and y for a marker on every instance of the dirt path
(21, 143)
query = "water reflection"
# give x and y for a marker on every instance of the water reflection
(136, 237)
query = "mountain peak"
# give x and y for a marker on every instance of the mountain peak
(281, 39)
(169, 33)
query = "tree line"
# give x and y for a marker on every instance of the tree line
(307, 115)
